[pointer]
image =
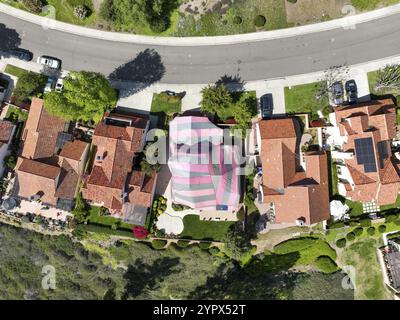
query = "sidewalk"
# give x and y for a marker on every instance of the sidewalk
(348, 22)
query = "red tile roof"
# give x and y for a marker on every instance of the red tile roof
(295, 194)
(375, 120)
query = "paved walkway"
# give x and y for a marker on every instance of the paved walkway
(348, 22)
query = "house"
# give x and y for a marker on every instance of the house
(125, 191)
(205, 171)
(6, 134)
(51, 164)
(294, 184)
(361, 138)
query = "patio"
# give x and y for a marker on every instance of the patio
(39, 209)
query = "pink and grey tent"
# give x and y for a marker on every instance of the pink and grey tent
(205, 172)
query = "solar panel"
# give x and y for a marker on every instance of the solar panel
(365, 154)
(383, 153)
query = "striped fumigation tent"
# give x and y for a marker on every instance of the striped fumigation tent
(205, 174)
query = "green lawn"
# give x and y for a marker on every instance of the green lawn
(198, 229)
(95, 218)
(307, 248)
(362, 256)
(301, 99)
(15, 71)
(165, 104)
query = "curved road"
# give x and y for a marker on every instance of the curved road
(203, 64)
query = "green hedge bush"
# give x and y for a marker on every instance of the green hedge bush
(204, 245)
(371, 231)
(341, 243)
(358, 231)
(326, 264)
(350, 236)
(158, 244)
(336, 225)
(259, 21)
(390, 218)
(183, 243)
(365, 223)
(382, 228)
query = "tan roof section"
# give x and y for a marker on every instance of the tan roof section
(41, 132)
(375, 120)
(73, 149)
(112, 174)
(39, 169)
(296, 194)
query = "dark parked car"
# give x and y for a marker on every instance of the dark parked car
(351, 91)
(337, 91)
(266, 106)
(21, 54)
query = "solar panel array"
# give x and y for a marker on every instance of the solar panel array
(365, 154)
(383, 153)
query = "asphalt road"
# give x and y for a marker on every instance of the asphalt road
(184, 65)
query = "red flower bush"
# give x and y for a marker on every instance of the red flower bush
(140, 232)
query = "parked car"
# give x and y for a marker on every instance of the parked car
(337, 91)
(266, 106)
(49, 84)
(2, 93)
(50, 62)
(351, 91)
(21, 54)
(59, 85)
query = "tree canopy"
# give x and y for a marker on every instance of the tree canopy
(86, 95)
(29, 84)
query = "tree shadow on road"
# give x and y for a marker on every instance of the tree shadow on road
(9, 40)
(144, 70)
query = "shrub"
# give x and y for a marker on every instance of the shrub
(358, 231)
(336, 225)
(326, 264)
(204, 245)
(350, 236)
(81, 12)
(341, 243)
(34, 6)
(371, 231)
(382, 228)
(365, 223)
(237, 20)
(240, 215)
(259, 21)
(353, 223)
(140, 232)
(158, 244)
(213, 250)
(179, 207)
(390, 218)
(183, 243)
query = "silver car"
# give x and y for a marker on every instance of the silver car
(49, 62)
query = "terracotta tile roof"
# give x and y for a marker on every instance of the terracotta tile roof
(39, 169)
(375, 120)
(306, 191)
(41, 132)
(277, 128)
(6, 129)
(73, 149)
(111, 176)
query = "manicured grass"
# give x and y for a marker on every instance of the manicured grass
(198, 229)
(65, 11)
(165, 104)
(15, 71)
(309, 249)
(95, 218)
(362, 256)
(301, 99)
